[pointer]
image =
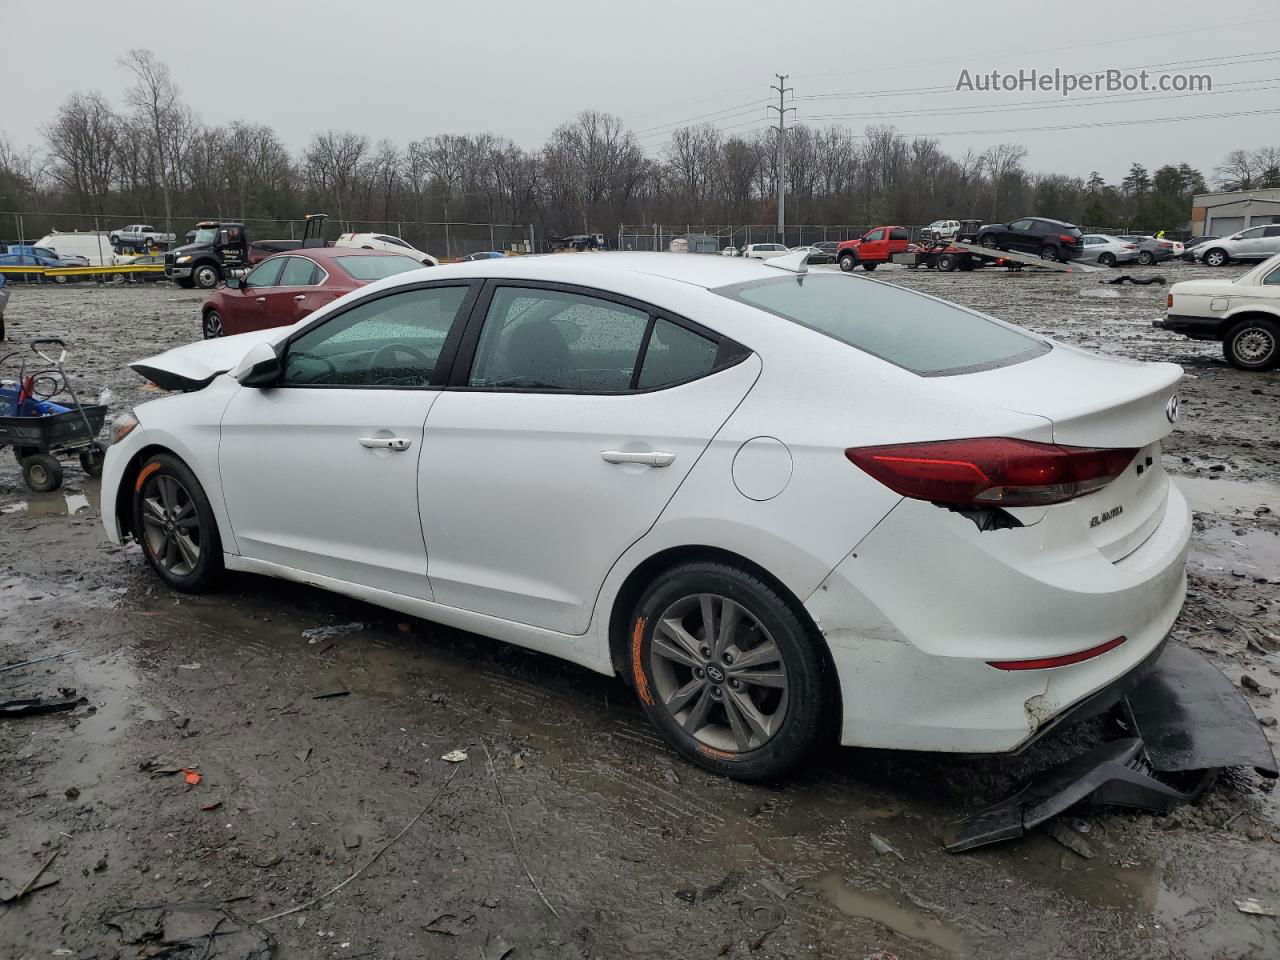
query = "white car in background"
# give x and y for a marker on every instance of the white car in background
(384, 241)
(941, 230)
(1243, 313)
(1256, 243)
(1106, 250)
(740, 486)
(764, 251)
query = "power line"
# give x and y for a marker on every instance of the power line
(1098, 124)
(676, 123)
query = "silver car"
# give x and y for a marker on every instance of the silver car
(1106, 250)
(1256, 243)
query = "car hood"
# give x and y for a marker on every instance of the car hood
(1203, 288)
(188, 248)
(194, 366)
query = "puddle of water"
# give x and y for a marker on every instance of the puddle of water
(1228, 497)
(1254, 553)
(53, 505)
(905, 920)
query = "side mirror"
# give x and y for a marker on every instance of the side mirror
(261, 367)
(233, 283)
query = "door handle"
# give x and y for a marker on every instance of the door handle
(262, 299)
(300, 297)
(386, 443)
(652, 459)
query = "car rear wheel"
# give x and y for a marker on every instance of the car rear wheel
(1146, 258)
(847, 262)
(206, 276)
(212, 325)
(1050, 252)
(727, 671)
(947, 263)
(1216, 258)
(174, 523)
(1107, 259)
(1253, 344)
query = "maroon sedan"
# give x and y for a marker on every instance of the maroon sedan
(283, 289)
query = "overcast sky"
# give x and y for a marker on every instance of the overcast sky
(403, 69)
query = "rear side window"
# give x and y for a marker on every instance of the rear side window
(553, 340)
(299, 272)
(376, 267)
(898, 233)
(674, 355)
(918, 333)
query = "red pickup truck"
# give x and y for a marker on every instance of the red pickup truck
(873, 248)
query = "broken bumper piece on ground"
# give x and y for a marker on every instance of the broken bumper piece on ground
(1186, 719)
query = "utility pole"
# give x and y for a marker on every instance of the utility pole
(782, 108)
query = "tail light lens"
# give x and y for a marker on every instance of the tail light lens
(1168, 302)
(991, 471)
(1068, 239)
(1131, 246)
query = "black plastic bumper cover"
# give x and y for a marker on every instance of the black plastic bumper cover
(1186, 716)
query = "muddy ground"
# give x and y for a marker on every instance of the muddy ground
(634, 852)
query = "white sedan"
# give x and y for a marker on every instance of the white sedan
(764, 496)
(1243, 313)
(384, 241)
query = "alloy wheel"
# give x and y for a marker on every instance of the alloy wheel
(171, 525)
(213, 325)
(1254, 346)
(719, 673)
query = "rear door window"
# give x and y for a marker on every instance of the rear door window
(916, 332)
(675, 355)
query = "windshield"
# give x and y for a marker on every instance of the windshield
(910, 330)
(205, 235)
(377, 268)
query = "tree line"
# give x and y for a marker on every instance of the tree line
(153, 156)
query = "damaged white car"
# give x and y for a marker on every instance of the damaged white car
(765, 497)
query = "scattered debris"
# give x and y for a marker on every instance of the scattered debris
(1253, 686)
(211, 806)
(1140, 281)
(455, 756)
(38, 705)
(1260, 908)
(264, 863)
(687, 894)
(495, 948)
(339, 692)
(779, 890)
(316, 634)
(351, 840)
(189, 666)
(371, 861)
(27, 663)
(880, 845)
(32, 885)
(760, 915)
(192, 930)
(1069, 839)
(303, 755)
(493, 774)
(191, 776)
(72, 793)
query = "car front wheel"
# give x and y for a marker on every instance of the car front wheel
(174, 523)
(206, 277)
(847, 262)
(1253, 344)
(1216, 258)
(727, 671)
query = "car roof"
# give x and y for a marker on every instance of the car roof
(326, 254)
(699, 270)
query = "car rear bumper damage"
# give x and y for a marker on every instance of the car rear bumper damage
(1185, 720)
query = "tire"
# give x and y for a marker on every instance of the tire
(1, 326)
(42, 472)
(989, 241)
(847, 262)
(206, 276)
(211, 325)
(92, 457)
(1217, 257)
(1107, 260)
(741, 729)
(1253, 344)
(1146, 258)
(1050, 252)
(869, 266)
(174, 523)
(947, 262)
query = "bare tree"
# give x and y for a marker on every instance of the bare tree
(169, 125)
(1235, 172)
(333, 163)
(82, 143)
(1002, 162)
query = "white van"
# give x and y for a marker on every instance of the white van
(94, 247)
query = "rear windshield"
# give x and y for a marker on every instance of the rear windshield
(377, 268)
(918, 333)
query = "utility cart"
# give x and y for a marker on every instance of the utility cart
(41, 431)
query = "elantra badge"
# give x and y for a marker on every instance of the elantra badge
(1171, 409)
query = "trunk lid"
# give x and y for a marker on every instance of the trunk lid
(1097, 401)
(193, 367)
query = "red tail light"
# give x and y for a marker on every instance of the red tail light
(1068, 239)
(1131, 246)
(1168, 302)
(1066, 659)
(991, 471)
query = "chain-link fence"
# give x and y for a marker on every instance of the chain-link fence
(659, 236)
(444, 239)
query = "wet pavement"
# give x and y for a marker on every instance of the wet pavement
(314, 750)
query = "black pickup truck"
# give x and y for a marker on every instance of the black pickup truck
(215, 249)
